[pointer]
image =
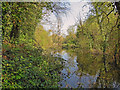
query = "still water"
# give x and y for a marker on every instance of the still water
(88, 71)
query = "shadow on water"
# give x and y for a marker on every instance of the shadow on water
(86, 70)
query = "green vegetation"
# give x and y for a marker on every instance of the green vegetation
(42, 38)
(25, 66)
(25, 63)
(98, 34)
(96, 45)
(26, 46)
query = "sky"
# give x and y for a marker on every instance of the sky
(77, 10)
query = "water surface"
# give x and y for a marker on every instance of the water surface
(85, 70)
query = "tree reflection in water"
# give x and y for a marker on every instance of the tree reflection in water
(83, 69)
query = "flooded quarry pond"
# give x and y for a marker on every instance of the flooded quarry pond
(84, 70)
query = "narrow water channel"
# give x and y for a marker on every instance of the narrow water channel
(86, 71)
(70, 76)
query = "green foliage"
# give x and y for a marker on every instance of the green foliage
(24, 64)
(71, 39)
(19, 18)
(42, 38)
(25, 61)
(26, 67)
(96, 31)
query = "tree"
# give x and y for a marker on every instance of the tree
(42, 38)
(98, 28)
(20, 19)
